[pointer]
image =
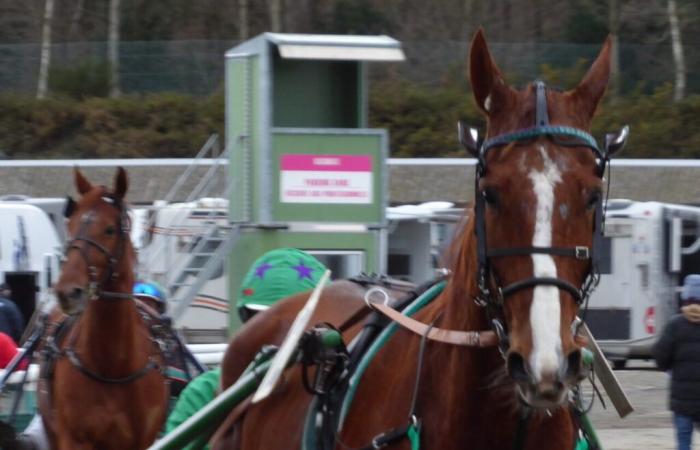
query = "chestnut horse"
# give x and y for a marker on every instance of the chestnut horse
(103, 389)
(522, 265)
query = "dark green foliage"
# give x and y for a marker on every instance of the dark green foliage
(163, 125)
(87, 79)
(422, 120)
(358, 17)
(587, 22)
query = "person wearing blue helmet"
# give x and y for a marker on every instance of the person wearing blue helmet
(152, 294)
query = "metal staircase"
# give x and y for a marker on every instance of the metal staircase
(206, 261)
(207, 242)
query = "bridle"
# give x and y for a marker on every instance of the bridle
(96, 286)
(491, 294)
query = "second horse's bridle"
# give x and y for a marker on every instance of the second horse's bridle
(95, 288)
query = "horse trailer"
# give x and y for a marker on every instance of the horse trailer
(30, 251)
(649, 248)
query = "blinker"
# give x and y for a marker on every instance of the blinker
(69, 207)
(614, 142)
(469, 138)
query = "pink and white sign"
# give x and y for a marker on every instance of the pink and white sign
(325, 178)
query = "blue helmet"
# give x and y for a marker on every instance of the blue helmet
(150, 291)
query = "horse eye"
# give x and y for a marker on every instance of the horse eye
(593, 199)
(110, 231)
(490, 196)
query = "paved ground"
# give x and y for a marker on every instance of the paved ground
(649, 426)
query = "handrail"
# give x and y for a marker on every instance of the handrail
(203, 186)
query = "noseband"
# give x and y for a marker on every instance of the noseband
(561, 136)
(111, 273)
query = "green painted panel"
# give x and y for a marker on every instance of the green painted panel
(316, 94)
(253, 243)
(242, 132)
(321, 142)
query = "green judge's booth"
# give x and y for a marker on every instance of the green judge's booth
(306, 172)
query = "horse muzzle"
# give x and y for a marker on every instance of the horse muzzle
(72, 298)
(548, 389)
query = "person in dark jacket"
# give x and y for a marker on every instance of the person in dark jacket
(678, 350)
(11, 319)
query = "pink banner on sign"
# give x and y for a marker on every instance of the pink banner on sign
(328, 163)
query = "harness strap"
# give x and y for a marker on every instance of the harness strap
(464, 338)
(548, 281)
(578, 252)
(541, 114)
(75, 360)
(521, 431)
(583, 139)
(411, 431)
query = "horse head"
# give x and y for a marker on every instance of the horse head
(98, 254)
(538, 206)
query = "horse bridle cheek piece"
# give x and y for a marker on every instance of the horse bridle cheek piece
(493, 299)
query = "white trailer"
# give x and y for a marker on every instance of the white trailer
(30, 252)
(649, 248)
(166, 236)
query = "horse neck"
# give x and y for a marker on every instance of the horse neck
(110, 330)
(480, 372)
(460, 311)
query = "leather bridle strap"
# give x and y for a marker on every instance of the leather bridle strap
(547, 281)
(75, 360)
(453, 337)
(578, 252)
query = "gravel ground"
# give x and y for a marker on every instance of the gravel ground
(649, 426)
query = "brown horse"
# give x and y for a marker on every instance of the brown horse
(103, 390)
(522, 265)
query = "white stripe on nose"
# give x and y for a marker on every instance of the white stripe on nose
(545, 310)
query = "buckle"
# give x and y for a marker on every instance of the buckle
(581, 252)
(377, 444)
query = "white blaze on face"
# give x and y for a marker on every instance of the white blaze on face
(545, 310)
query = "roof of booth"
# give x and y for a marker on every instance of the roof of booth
(327, 47)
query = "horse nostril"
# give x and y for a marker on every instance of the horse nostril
(517, 367)
(70, 293)
(550, 390)
(574, 365)
(77, 293)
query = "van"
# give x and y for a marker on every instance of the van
(649, 248)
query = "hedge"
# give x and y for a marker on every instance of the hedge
(421, 121)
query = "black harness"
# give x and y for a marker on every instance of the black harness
(561, 136)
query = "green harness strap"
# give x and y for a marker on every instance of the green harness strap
(413, 435)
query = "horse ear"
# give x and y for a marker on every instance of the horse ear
(121, 183)
(592, 87)
(81, 183)
(490, 91)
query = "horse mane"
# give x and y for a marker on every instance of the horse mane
(460, 256)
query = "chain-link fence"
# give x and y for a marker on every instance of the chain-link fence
(197, 67)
